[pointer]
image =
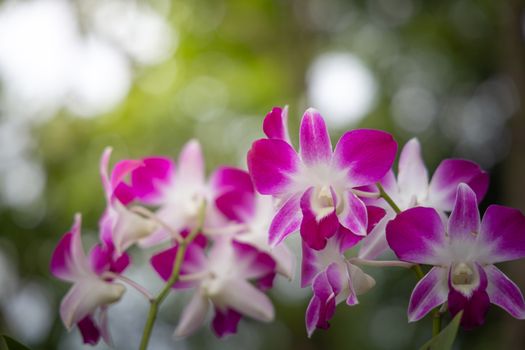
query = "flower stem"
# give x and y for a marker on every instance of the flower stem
(387, 198)
(175, 275)
(419, 272)
(132, 284)
(436, 322)
(366, 194)
(380, 263)
(150, 215)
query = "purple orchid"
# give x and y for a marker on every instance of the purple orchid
(315, 186)
(248, 215)
(463, 252)
(85, 305)
(333, 278)
(119, 226)
(179, 190)
(412, 188)
(223, 278)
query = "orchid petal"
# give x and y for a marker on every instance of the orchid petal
(448, 175)
(68, 261)
(149, 179)
(225, 322)
(504, 293)
(250, 262)
(326, 286)
(85, 296)
(366, 155)
(430, 291)
(193, 316)
(122, 169)
(309, 265)
(275, 124)
(226, 179)
(312, 315)
(285, 260)
(359, 283)
(502, 235)
(103, 325)
(375, 243)
(417, 235)
(286, 221)
(89, 330)
(474, 308)
(272, 164)
(354, 214)
(103, 169)
(412, 177)
(191, 164)
(233, 193)
(194, 261)
(346, 239)
(315, 229)
(473, 299)
(128, 228)
(314, 139)
(241, 296)
(464, 221)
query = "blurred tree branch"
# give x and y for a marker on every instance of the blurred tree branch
(513, 61)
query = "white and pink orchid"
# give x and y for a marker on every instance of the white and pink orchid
(248, 215)
(463, 251)
(120, 227)
(315, 186)
(221, 278)
(85, 305)
(412, 188)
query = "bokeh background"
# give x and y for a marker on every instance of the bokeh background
(146, 76)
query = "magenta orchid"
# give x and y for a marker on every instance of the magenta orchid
(179, 190)
(315, 186)
(333, 278)
(412, 188)
(85, 305)
(463, 252)
(248, 215)
(119, 226)
(223, 236)
(223, 278)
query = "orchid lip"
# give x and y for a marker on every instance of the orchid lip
(464, 277)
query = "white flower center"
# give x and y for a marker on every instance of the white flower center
(465, 278)
(462, 274)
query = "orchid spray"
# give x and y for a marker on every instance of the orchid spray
(223, 236)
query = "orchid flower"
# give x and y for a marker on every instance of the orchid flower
(463, 251)
(179, 192)
(315, 186)
(119, 226)
(412, 188)
(333, 278)
(85, 305)
(248, 214)
(223, 279)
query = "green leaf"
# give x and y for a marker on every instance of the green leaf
(445, 339)
(13, 344)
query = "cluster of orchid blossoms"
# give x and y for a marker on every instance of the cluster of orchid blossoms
(223, 237)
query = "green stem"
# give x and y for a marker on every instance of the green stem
(436, 322)
(419, 272)
(387, 198)
(382, 194)
(175, 275)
